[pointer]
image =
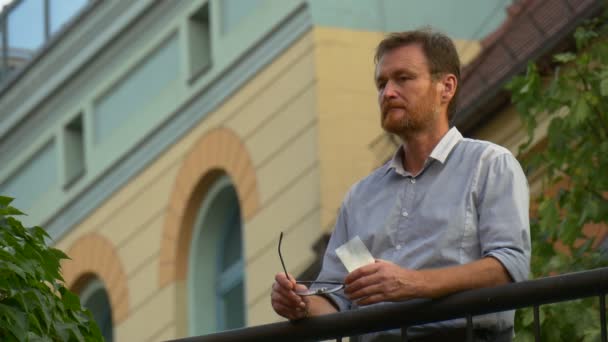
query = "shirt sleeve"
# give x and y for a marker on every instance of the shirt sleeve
(332, 268)
(503, 209)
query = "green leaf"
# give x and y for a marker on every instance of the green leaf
(527, 317)
(592, 335)
(35, 322)
(70, 300)
(564, 57)
(13, 267)
(10, 211)
(581, 111)
(582, 36)
(39, 233)
(526, 87)
(604, 87)
(548, 214)
(541, 316)
(5, 201)
(17, 321)
(523, 336)
(58, 254)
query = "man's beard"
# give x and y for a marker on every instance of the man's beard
(415, 120)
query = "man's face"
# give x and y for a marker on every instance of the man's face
(408, 97)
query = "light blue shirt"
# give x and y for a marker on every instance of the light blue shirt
(470, 201)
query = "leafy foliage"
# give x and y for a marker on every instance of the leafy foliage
(34, 305)
(573, 164)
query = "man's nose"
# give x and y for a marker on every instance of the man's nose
(389, 91)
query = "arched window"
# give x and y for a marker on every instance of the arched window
(216, 292)
(95, 298)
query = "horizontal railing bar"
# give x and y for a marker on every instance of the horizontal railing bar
(420, 311)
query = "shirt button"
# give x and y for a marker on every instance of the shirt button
(404, 214)
(398, 246)
(413, 181)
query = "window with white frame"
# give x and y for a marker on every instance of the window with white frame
(216, 292)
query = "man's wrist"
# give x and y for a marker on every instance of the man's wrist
(319, 305)
(427, 284)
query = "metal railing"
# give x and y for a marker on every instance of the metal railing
(468, 304)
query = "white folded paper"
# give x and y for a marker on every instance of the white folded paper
(354, 254)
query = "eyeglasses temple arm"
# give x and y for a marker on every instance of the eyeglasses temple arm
(281, 256)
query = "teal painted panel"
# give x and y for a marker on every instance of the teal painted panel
(32, 181)
(469, 19)
(350, 14)
(233, 11)
(133, 92)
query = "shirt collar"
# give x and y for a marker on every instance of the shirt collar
(446, 145)
(440, 152)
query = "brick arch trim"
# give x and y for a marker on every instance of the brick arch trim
(217, 152)
(95, 256)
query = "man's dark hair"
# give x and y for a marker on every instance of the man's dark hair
(438, 48)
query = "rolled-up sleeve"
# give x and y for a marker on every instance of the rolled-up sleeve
(503, 209)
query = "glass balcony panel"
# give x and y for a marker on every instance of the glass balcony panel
(61, 11)
(26, 27)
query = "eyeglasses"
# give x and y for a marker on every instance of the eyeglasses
(326, 286)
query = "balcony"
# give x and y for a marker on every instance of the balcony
(28, 28)
(468, 304)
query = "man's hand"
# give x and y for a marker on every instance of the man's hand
(383, 281)
(284, 299)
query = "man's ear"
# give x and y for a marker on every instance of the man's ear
(449, 84)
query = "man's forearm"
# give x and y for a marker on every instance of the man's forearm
(318, 305)
(486, 272)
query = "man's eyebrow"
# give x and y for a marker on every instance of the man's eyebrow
(403, 70)
(398, 71)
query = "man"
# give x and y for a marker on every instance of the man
(446, 214)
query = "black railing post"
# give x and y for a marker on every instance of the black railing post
(469, 328)
(5, 48)
(47, 21)
(603, 316)
(404, 334)
(536, 323)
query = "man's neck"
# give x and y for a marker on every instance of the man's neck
(418, 147)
